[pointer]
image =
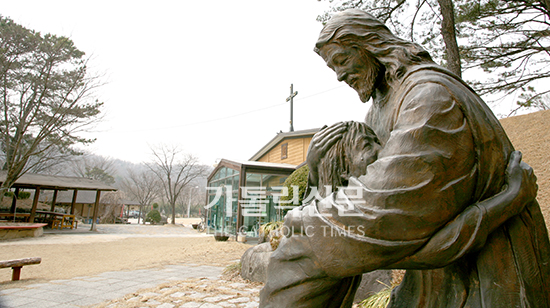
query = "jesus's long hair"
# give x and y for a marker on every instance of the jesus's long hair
(356, 28)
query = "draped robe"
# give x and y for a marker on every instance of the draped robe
(415, 208)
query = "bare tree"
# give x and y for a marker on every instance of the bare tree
(94, 167)
(142, 186)
(111, 201)
(51, 161)
(175, 170)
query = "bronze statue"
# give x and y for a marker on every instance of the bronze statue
(447, 198)
(349, 156)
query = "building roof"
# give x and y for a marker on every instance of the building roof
(32, 181)
(82, 197)
(280, 136)
(252, 166)
(260, 164)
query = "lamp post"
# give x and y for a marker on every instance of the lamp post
(189, 203)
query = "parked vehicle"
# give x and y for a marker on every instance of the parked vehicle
(133, 214)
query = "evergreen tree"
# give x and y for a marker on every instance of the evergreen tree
(509, 40)
(44, 93)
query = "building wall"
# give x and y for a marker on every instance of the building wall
(297, 151)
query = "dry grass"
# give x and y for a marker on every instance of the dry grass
(88, 258)
(530, 134)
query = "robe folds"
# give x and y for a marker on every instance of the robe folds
(416, 209)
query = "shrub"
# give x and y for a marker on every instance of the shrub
(378, 300)
(382, 298)
(17, 210)
(271, 231)
(24, 195)
(266, 228)
(297, 178)
(232, 271)
(153, 217)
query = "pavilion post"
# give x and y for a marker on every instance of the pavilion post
(34, 203)
(73, 202)
(14, 201)
(96, 206)
(54, 200)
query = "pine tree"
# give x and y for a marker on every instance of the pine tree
(509, 40)
(44, 89)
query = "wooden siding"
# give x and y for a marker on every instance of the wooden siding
(297, 151)
(275, 181)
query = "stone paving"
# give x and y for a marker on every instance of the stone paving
(192, 293)
(172, 286)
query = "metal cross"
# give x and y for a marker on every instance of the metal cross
(290, 98)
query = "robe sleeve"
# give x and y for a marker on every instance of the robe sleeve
(423, 179)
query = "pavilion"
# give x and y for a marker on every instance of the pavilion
(40, 182)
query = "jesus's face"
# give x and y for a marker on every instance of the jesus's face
(356, 68)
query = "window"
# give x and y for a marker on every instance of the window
(284, 150)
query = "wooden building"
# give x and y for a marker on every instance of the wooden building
(288, 148)
(242, 195)
(84, 204)
(40, 183)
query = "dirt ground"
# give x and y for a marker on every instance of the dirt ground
(73, 255)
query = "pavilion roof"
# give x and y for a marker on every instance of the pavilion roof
(33, 180)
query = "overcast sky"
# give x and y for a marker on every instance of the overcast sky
(209, 76)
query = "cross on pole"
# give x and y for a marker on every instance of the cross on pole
(290, 98)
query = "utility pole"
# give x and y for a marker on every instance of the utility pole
(189, 203)
(290, 98)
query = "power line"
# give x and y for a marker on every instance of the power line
(227, 117)
(318, 93)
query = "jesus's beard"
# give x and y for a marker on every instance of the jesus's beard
(366, 83)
